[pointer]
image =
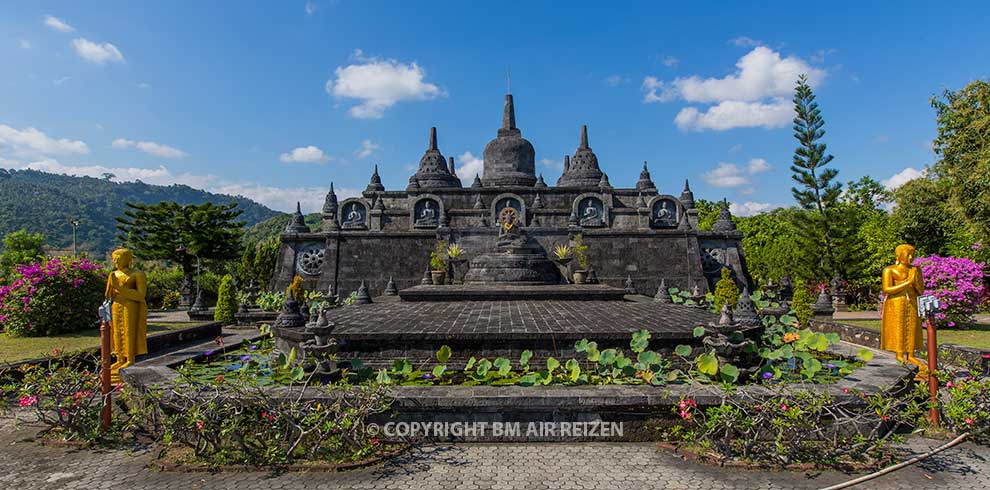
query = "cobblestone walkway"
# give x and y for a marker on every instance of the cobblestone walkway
(26, 465)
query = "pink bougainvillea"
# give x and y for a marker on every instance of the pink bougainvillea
(52, 297)
(958, 283)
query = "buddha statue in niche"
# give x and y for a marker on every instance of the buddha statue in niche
(427, 216)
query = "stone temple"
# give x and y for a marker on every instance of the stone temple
(637, 235)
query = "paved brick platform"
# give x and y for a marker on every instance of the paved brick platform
(516, 320)
(509, 292)
(26, 465)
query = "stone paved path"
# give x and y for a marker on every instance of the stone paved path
(26, 465)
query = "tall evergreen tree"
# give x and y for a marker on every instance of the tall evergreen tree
(818, 191)
(182, 234)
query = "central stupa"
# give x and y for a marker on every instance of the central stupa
(509, 158)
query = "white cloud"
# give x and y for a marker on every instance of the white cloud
(756, 95)
(160, 175)
(309, 8)
(726, 175)
(284, 198)
(819, 57)
(279, 198)
(750, 208)
(615, 80)
(304, 154)
(30, 142)
(24, 44)
(149, 147)
(57, 24)
(736, 147)
(731, 175)
(733, 114)
(557, 165)
(902, 177)
(379, 84)
(367, 148)
(745, 42)
(670, 61)
(97, 53)
(467, 166)
(757, 165)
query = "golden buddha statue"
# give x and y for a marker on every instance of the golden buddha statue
(900, 326)
(126, 289)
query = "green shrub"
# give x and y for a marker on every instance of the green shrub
(209, 283)
(801, 302)
(580, 251)
(52, 297)
(171, 300)
(161, 282)
(19, 248)
(226, 301)
(438, 257)
(270, 301)
(726, 291)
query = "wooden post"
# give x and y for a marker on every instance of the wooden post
(932, 366)
(105, 375)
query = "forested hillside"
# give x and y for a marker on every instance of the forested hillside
(45, 203)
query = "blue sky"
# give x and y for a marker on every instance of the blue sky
(273, 100)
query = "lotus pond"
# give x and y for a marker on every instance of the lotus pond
(784, 354)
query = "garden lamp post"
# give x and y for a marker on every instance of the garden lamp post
(75, 224)
(927, 307)
(105, 365)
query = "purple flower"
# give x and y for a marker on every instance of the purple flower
(253, 347)
(767, 375)
(245, 358)
(830, 366)
(209, 352)
(427, 376)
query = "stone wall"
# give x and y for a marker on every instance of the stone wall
(625, 245)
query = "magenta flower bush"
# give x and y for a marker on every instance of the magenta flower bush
(958, 283)
(52, 297)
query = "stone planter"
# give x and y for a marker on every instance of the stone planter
(458, 268)
(437, 277)
(580, 277)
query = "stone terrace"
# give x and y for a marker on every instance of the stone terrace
(533, 319)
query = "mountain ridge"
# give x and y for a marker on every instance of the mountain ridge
(44, 202)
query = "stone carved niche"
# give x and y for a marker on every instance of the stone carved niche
(309, 259)
(503, 201)
(712, 260)
(665, 212)
(354, 215)
(426, 212)
(591, 211)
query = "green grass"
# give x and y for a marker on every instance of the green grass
(977, 335)
(14, 349)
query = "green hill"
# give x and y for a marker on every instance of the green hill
(44, 202)
(274, 226)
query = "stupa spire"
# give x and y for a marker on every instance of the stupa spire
(584, 137)
(509, 113)
(433, 138)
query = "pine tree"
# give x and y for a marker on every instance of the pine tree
(182, 234)
(818, 192)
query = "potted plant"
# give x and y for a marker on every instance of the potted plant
(580, 251)
(455, 255)
(563, 255)
(438, 263)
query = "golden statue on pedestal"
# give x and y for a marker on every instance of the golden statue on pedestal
(126, 289)
(900, 326)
